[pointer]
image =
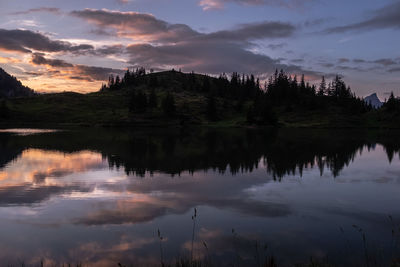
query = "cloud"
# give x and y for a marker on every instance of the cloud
(394, 70)
(74, 71)
(384, 18)
(385, 61)
(109, 50)
(9, 60)
(276, 46)
(254, 31)
(359, 60)
(123, 2)
(25, 41)
(219, 4)
(136, 25)
(343, 60)
(297, 60)
(163, 45)
(209, 57)
(38, 59)
(40, 9)
(327, 65)
(146, 27)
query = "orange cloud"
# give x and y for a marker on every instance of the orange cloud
(9, 60)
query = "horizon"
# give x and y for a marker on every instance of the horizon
(53, 46)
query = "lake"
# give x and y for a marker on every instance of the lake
(100, 197)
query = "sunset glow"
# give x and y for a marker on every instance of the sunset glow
(54, 46)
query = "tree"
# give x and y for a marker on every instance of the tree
(392, 104)
(268, 116)
(322, 87)
(302, 83)
(339, 88)
(111, 81)
(168, 104)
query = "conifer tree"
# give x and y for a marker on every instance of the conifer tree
(322, 87)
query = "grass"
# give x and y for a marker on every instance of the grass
(111, 108)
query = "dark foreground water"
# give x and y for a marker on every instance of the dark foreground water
(98, 197)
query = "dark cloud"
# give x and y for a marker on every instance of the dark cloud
(39, 59)
(25, 41)
(30, 194)
(136, 25)
(95, 73)
(394, 70)
(384, 18)
(327, 65)
(254, 31)
(123, 2)
(76, 72)
(385, 61)
(39, 9)
(345, 68)
(146, 27)
(297, 60)
(359, 60)
(343, 60)
(316, 22)
(276, 46)
(109, 50)
(219, 4)
(33, 73)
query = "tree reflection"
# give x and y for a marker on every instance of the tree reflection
(282, 152)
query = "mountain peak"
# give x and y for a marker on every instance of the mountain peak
(374, 100)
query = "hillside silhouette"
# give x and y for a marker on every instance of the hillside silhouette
(11, 87)
(174, 98)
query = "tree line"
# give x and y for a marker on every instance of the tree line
(282, 92)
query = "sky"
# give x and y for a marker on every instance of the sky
(54, 46)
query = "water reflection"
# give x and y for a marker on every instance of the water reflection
(99, 196)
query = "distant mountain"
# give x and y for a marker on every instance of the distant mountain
(10, 87)
(373, 100)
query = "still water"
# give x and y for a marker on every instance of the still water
(98, 197)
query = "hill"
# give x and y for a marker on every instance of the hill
(173, 98)
(11, 87)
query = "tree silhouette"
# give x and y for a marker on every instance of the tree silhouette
(392, 104)
(322, 87)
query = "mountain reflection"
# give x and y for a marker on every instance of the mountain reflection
(105, 192)
(36, 167)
